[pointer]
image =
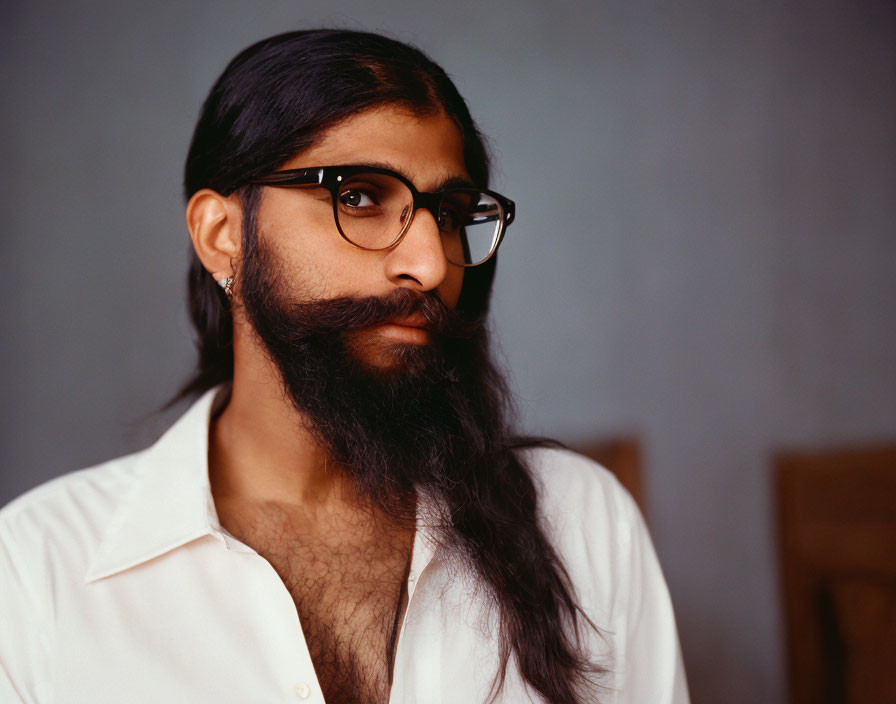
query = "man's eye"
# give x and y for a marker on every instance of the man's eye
(356, 199)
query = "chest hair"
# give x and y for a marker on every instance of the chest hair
(348, 588)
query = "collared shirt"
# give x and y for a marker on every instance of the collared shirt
(118, 584)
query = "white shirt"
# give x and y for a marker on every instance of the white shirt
(118, 584)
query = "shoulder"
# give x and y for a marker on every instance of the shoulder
(83, 490)
(573, 487)
(47, 537)
(591, 520)
(65, 516)
(603, 542)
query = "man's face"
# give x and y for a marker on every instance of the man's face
(314, 262)
(396, 406)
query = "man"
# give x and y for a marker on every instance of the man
(344, 514)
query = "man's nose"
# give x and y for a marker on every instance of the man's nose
(418, 261)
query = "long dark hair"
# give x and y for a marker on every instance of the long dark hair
(275, 99)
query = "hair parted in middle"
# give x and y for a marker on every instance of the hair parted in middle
(277, 98)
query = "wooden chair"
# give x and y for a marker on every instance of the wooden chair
(622, 456)
(837, 549)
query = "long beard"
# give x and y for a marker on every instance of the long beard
(398, 418)
(407, 422)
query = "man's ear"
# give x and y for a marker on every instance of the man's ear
(215, 224)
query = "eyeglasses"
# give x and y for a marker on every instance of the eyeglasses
(374, 207)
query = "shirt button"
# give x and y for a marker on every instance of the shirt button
(302, 690)
(412, 577)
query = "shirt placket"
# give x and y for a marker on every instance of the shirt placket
(420, 616)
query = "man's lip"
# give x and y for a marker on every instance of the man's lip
(413, 329)
(412, 321)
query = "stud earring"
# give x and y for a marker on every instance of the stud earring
(225, 282)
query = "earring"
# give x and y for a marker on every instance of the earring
(225, 282)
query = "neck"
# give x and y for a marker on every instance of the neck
(260, 451)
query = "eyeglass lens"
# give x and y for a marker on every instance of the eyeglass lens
(373, 210)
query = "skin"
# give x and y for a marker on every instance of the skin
(260, 429)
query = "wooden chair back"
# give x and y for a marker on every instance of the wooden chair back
(622, 456)
(837, 550)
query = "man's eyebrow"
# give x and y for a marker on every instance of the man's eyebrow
(455, 182)
(459, 181)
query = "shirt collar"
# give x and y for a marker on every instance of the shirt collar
(170, 503)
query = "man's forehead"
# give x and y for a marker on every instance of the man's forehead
(436, 179)
(426, 148)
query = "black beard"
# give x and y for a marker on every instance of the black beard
(407, 422)
(429, 422)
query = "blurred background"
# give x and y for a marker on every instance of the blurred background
(704, 256)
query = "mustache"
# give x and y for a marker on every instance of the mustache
(348, 313)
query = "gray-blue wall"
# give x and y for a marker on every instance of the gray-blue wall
(704, 254)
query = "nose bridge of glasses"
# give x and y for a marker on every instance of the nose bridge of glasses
(419, 251)
(429, 201)
(428, 239)
(423, 201)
